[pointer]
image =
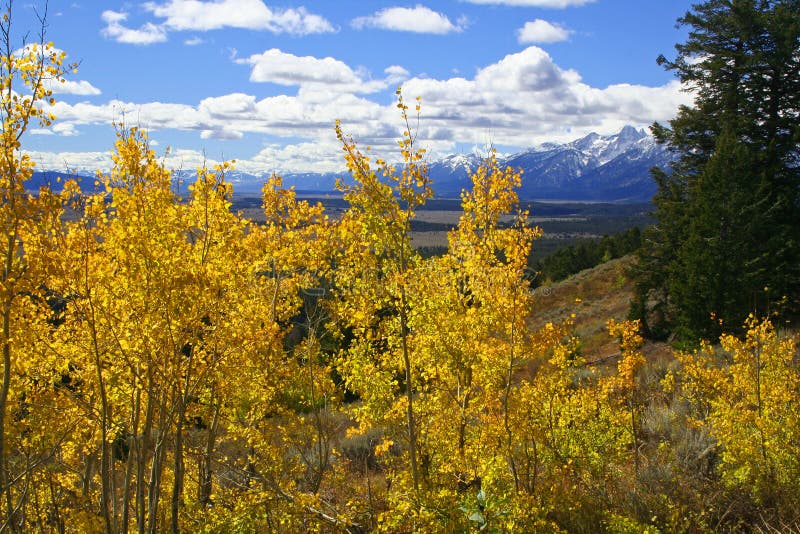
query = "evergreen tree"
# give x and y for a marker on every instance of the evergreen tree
(726, 241)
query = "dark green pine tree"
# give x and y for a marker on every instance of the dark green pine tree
(726, 241)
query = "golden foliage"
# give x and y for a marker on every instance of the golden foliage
(169, 365)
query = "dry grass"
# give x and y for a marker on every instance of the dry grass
(428, 239)
(594, 296)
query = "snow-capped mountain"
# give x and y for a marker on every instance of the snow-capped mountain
(596, 167)
(451, 174)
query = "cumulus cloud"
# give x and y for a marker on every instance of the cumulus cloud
(526, 98)
(396, 74)
(147, 34)
(221, 133)
(65, 129)
(520, 100)
(187, 159)
(69, 162)
(195, 15)
(529, 71)
(279, 67)
(541, 31)
(419, 19)
(231, 105)
(276, 66)
(558, 4)
(69, 87)
(309, 114)
(153, 115)
(323, 156)
(89, 162)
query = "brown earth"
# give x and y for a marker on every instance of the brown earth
(594, 296)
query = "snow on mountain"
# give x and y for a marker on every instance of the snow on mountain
(457, 162)
(595, 167)
(602, 149)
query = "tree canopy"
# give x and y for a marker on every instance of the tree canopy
(727, 238)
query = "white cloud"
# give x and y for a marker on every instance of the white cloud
(70, 161)
(186, 159)
(182, 15)
(196, 15)
(521, 100)
(147, 34)
(525, 99)
(234, 104)
(396, 74)
(276, 66)
(152, 115)
(558, 4)
(321, 156)
(221, 133)
(279, 67)
(89, 162)
(419, 19)
(529, 71)
(309, 114)
(65, 129)
(541, 31)
(68, 87)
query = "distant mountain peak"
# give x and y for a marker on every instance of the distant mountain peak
(468, 162)
(586, 141)
(594, 167)
(632, 134)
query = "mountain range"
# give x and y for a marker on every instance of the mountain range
(593, 168)
(610, 168)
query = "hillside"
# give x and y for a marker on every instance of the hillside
(594, 296)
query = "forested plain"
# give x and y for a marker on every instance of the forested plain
(170, 365)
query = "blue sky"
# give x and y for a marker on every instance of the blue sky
(262, 82)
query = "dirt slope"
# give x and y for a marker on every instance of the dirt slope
(594, 296)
